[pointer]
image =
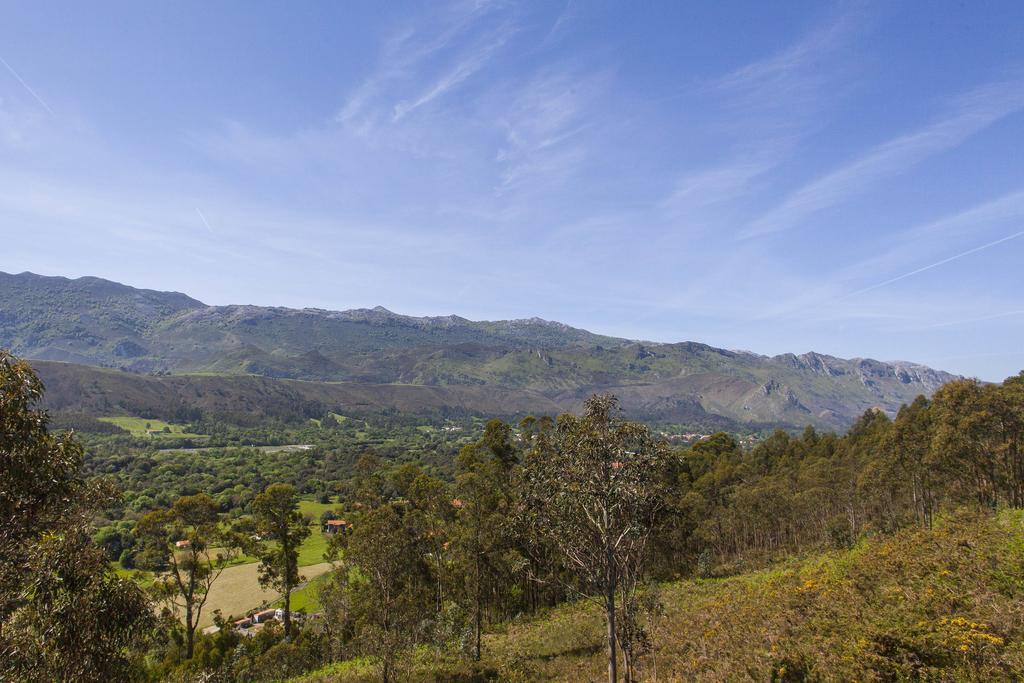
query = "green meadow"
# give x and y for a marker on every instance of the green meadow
(145, 426)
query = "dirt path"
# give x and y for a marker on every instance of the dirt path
(238, 590)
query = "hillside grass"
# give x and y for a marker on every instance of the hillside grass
(943, 604)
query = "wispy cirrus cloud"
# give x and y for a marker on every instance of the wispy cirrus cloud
(465, 67)
(944, 240)
(966, 116)
(564, 19)
(402, 52)
(931, 238)
(716, 185)
(793, 73)
(765, 108)
(445, 53)
(542, 124)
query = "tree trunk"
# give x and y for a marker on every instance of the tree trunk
(190, 631)
(611, 582)
(287, 611)
(479, 615)
(627, 662)
(610, 617)
(440, 579)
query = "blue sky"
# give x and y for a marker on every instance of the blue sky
(776, 177)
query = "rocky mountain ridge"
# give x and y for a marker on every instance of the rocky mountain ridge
(95, 322)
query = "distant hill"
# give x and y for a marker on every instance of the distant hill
(503, 367)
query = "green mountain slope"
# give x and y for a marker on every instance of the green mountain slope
(248, 400)
(100, 323)
(88, 320)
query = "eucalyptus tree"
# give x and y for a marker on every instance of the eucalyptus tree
(64, 614)
(187, 541)
(909, 444)
(386, 577)
(481, 540)
(39, 474)
(594, 489)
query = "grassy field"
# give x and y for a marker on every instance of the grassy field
(143, 426)
(314, 509)
(310, 552)
(141, 577)
(237, 591)
(941, 604)
(307, 598)
(313, 548)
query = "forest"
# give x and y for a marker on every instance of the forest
(587, 519)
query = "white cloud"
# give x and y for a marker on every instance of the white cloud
(794, 73)
(936, 237)
(427, 51)
(465, 67)
(710, 186)
(967, 116)
(762, 110)
(542, 125)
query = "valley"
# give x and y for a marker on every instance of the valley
(501, 342)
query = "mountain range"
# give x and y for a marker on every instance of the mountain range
(173, 345)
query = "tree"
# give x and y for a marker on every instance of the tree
(367, 482)
(39, 475)
(64, 615)
(403, 476)
(482, 487)
(277, 518)
(594, 490)
(909, 442)
(192, 569)
(432, 512)
(81, 623)
(388, 583)
(115, 540)
(980, 428)
(966, 431)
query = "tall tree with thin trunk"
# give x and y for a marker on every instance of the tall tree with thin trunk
(909, 443)
(433, 512)
(483, 490)
(182, 539)
(594, 489)
(387, 578)
(281, 529)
